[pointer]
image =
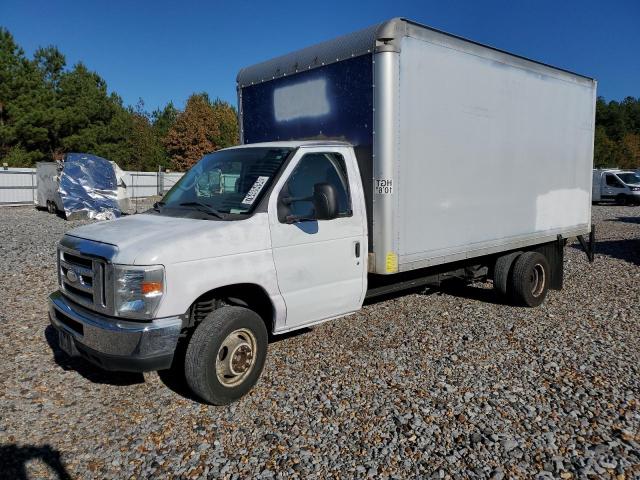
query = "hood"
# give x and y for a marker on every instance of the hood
(154, 239)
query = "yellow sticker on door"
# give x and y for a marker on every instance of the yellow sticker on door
(392, 262)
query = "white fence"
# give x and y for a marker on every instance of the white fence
(148, 184)
(18, 186)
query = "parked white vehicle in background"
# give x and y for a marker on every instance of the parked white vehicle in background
(48, 190)
(433, 158)
(621, 186)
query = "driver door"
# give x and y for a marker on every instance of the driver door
(320, 264)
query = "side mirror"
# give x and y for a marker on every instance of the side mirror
(325, 201)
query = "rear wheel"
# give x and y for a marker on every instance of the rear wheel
(226, 354)
(501, 272)
(530, 279)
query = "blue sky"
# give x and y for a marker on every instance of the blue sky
(162, 51)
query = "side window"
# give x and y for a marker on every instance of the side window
(318, 168)
(612, 181)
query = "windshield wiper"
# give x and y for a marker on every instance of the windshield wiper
(203, 207)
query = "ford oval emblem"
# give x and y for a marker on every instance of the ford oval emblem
(72, 276)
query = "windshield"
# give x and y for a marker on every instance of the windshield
(227, 182)
(629, 178)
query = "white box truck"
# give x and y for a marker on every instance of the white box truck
(392, 157)
(613, 184)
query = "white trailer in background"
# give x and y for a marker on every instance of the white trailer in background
(48, 186)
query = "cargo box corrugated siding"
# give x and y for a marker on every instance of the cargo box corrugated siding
(479, 150)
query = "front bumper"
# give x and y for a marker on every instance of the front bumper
(111, 343)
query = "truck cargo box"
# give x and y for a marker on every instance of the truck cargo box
(464, 150)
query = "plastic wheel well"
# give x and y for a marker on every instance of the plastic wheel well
(247, 295)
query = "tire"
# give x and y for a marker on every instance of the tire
(501, 272)
(49, 207)
(226, 354)
(621, 199)
(530, 279)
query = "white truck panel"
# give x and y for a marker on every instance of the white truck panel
(47, 179)
(489, 154)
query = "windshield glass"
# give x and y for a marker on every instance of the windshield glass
(629, 178)
(227, 182)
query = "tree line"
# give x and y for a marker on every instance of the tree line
(617, 135)
(48, 109)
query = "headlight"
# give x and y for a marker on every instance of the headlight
(635, 189)
(138, 290)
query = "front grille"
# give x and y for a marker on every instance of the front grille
(83, 279)
(85, 262)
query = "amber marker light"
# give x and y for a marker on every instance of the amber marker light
(151, 288)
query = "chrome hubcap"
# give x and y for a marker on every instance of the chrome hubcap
(236, 357)
(537, 280)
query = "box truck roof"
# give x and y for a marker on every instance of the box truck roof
(383, 36)
(293, 144)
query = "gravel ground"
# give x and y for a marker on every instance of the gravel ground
(443, 385)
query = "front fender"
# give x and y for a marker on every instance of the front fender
(186, 281)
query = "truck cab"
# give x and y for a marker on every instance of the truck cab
(264, 228)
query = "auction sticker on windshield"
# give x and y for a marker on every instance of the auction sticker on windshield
(255, 189)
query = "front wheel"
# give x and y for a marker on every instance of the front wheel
(530, 279)
(226, 354)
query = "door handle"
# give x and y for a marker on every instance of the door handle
(357, 249)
